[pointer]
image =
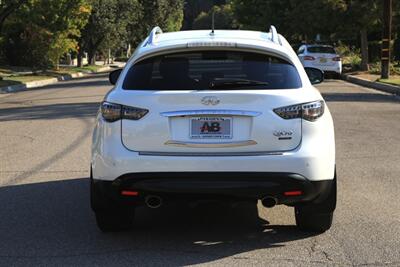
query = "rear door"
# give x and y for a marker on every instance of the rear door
(211, 101)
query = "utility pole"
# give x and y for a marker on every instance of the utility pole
(386, 37)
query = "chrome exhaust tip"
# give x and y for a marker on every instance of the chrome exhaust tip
(153, 202)
(269, 202)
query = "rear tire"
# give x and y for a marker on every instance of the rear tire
(313, 222)
(317, 216)
(110, 216)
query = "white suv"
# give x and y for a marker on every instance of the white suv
(323, 57)
(213, 115)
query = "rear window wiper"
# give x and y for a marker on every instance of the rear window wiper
(234, 83)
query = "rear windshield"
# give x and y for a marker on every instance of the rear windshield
(321, 49)
(212, 70)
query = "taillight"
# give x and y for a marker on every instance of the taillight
(309, 58)
(336, 59)
(310, 111)
(132, 113)
(113, 112)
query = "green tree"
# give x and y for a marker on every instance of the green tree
(41, 31)
(303, 20)
(361, 17)
(192, 10)
(108, 26)
(7, 7)
(296, 19)
(168, 14)
(223, 18)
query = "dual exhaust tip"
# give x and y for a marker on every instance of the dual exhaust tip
(154, 202)
(269, 202)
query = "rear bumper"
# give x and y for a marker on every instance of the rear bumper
(336, 68)
(200, 185)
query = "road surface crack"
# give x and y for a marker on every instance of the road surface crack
(316, 250)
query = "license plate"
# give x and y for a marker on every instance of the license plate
(211, 127)
(322, 60)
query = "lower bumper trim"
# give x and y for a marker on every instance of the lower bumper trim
(246, 185)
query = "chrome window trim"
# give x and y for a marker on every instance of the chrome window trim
(211, 112)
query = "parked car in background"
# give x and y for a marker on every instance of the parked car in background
(323, 57)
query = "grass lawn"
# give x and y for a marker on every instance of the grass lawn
(88, 68)
(395, 81)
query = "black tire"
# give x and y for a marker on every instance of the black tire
(317, 216)
(313, 222)
(110, 216)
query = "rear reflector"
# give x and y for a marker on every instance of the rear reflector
(129, 193)
(293, 193)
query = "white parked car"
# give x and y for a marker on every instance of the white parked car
(213, 115)
(323, 57)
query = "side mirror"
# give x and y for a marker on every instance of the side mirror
(114, 75)
(315, 75)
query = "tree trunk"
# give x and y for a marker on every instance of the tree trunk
(364, 49)
(92, 58)
(79, 60)
(80, 56)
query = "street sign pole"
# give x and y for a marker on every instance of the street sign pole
(386, 37)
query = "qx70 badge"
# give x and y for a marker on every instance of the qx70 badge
(283, 135)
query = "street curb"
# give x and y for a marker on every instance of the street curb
(42, 83)
(374, 85)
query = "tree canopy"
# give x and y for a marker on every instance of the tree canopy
(39, 32)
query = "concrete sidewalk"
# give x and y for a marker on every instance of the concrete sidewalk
(372, 84)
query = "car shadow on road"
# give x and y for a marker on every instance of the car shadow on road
(100, 79)
(48, 112)
(360, 97)
(52, 223)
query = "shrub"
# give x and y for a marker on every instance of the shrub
(351, 56)
(375, 68)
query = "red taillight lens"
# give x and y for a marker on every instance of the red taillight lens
(293, 193)
(112, 112)
(129, 193)
(309, 58)
(336, 59)
(310, 111)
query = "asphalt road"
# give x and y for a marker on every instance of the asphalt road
(45, 218)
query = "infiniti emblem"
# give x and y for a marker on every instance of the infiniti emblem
(210, 100)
